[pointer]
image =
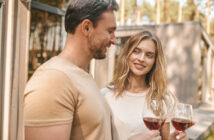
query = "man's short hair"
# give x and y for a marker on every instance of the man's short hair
(79, 10)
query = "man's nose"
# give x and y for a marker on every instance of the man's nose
(113, 39)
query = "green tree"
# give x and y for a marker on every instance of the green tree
(189, 11)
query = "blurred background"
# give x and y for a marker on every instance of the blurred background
(32, 31)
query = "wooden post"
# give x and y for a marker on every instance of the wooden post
(208, 17)
(8, 33)
(157, 11)
(16, 37)
(180, 12)
(22, 29)
(122, 14)
(212, 78)
(111, 62)
(1, 64)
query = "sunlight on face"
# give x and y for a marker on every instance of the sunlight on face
(142, 58)
(103, 35)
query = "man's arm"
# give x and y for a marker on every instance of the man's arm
(165, 131)
(57, 132)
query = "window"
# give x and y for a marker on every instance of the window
(47, 35)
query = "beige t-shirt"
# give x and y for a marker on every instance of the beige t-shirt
(62, 93)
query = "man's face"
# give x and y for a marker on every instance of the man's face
(103, 35)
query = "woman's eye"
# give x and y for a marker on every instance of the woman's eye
(136, 51)
(149, 55)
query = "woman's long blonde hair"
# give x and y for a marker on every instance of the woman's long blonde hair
(155, 79)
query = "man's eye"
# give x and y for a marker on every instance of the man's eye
(110, 32)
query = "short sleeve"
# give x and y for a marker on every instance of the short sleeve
(49, 99)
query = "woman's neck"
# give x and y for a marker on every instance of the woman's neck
(137, 84)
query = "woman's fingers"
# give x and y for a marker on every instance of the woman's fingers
(181, 136)
(158, 137)
(178, 135)
(155, 133)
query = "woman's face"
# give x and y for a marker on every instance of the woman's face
(142, 58)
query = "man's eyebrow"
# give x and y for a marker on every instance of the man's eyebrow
(113, 28)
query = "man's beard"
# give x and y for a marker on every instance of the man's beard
(97, 52)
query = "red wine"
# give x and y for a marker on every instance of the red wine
(181, 124)
(152, 123)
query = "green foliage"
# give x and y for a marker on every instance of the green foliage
(189, 11)
(149, 10)
(172, 11)
(211, 136)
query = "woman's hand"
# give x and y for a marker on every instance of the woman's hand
(150, 135)
(178, 135)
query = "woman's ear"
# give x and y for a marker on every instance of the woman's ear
(87, 27)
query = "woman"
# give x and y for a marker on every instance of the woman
(140, 77)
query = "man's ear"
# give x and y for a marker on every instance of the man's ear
(87, 27)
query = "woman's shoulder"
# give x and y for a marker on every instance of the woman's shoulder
(171, 97)
(107, 90)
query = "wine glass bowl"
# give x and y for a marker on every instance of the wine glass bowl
(152, 123)
(153, 118)
(183, 116)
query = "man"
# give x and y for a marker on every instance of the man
(62, 100)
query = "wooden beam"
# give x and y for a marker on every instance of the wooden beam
(47, 8)
(20, 63)
(8, 21)
(1, 66)
(14, 54)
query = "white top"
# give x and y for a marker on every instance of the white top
(127, 113)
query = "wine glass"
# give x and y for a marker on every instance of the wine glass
(183, 116)
(155, 115)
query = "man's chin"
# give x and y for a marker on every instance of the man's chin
(103, 56)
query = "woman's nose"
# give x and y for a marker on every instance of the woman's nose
(141, 57)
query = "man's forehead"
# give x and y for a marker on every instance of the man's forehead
(108, 16)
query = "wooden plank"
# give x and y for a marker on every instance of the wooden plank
(1, 66)
(47, 8)
(7, 66)
(20, 71)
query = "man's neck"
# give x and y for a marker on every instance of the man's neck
(76, 52)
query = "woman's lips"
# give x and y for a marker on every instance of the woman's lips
(139, 66)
